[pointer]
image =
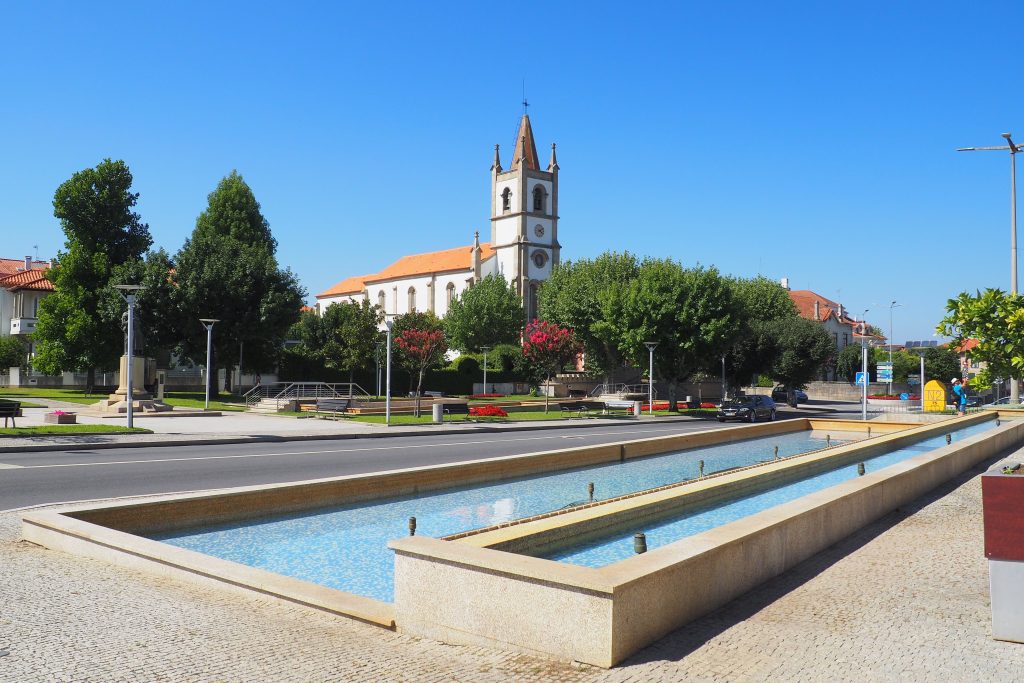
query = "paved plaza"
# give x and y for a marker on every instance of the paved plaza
(905, 599)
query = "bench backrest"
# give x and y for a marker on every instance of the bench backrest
(9, 407)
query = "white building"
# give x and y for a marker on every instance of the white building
(523, 245)
(23, 285)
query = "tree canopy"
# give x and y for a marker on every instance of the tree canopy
(760, 301)
(804, 346)
(487, 314)
(421, 345)
(996, 320)
(102, 232)
(349, 335)
(549, 347)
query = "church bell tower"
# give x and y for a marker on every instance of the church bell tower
(524, 217)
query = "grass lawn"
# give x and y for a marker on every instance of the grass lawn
(70, 429)
(182, 399)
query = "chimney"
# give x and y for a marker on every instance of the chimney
(817, 310)
(28, 263)
(785, 283)
(840, 311)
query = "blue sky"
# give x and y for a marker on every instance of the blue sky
(814, 143)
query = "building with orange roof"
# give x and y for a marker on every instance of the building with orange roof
(837, 321)
(23, 285)
(523, 245)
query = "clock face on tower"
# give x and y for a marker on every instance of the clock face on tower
(538, 230)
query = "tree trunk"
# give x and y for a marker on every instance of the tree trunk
(90, 380)
(351, 371)
(547, 387)
(419, 385)
(673, 407)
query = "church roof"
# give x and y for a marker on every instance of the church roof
(459, 258)
(27, 279)
(525, 146)
(352, 285)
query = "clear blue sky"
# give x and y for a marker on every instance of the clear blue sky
(775, 138)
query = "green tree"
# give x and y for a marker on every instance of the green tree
(941, 363)
(12, 352)
(487, 314)
(228, 270)
(761, 301)
(691, 312)
(414, 320)
(849, 363)
(549, 347)
(804, 346)
(583, 296)
(350, 335)
(157, 317)
(996, 320)
(102, 231)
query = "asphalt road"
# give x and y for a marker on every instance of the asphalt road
(81, 474)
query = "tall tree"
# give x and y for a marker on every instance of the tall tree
(421, 345)
(690, 312)
(228, 270)
(13, 352)
(350, 335)
(102, 231)
(487, 314)
(761, 301)
(804, 346)
(157, 318)
(549, 347)
(850, 362)
(996, 320)
(583, 296)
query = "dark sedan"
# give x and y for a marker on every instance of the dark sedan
(749, 408)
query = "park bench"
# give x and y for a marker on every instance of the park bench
(572, 407)
(332, 406)
(456, 408)
(618, 405)
(10, 410)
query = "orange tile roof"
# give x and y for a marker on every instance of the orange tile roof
(352, 285)
(967, 345)
(27, 279)
(9, 266)
(459, 258)
(804, 300)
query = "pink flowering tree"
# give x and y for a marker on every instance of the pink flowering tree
(548, 347)
(422, 350)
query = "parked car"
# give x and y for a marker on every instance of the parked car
(749, 408)
(1004, 401)
(780, 394)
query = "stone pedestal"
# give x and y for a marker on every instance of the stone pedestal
(142, 400)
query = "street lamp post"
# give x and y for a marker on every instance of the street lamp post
(387, 388)
(891, 306)
(650, 376)
(723, 379)
(864, 364)
(1013, 149)
(208, 323)
(128, 292)
(921, 385)
(485, 349)
(376, 357)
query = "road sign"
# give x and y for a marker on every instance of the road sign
(860, 379)
(914, 379)
(884, 372)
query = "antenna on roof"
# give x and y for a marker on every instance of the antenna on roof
(36, 248)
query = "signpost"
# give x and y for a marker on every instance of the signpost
(859, 379)
(914, 379)
(885, 372)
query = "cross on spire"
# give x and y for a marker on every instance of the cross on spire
(526, 104)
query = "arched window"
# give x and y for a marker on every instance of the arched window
(449, 294)
(506, 199)
(382, 301)
(412, 299)
(539, 199)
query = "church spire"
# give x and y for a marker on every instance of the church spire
(496, 166)
(553, 166)
(526, 149)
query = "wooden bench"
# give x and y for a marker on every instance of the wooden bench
(456, 408)
(10, 410)
(332, 406)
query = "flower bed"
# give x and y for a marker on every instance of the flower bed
(486, 396)
(893, 397)
(60, 417)
(487, 411)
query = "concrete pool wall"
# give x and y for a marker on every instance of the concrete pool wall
(107, 532)
(601, 616)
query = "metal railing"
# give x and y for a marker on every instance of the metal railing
(620, 390)
(283, 392)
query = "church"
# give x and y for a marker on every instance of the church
(523, 245)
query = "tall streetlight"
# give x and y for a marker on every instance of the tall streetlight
(208, 323)
(921, 386)
(485, 349)
(723, 379)
(864, 363)
(376, 356)
(389, 323)
(650, 377)
(128, 292)
(891, 306)
(1012, 149)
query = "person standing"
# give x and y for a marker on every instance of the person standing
(960, 396)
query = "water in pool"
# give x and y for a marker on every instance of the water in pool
(602, 552)
(346, 547)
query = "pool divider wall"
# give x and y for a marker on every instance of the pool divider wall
(601, 616)
(550, 533)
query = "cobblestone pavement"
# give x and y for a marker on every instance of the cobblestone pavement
(904, 600)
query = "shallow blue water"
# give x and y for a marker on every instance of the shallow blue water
(346, 547)
(603, 552)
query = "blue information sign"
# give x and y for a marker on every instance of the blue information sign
(860, 379)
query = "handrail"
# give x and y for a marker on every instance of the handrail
(280, 392)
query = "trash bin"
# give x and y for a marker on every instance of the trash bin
(689, 399)
(438, 413)
(637, 408)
